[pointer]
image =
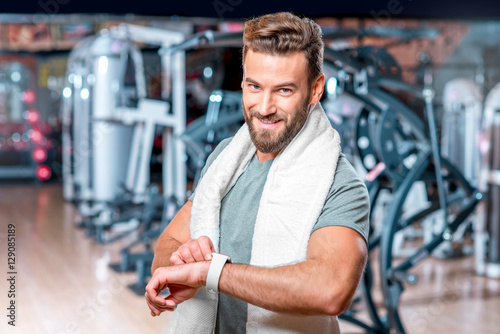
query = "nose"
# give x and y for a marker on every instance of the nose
(267, 105)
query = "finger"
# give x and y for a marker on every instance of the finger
(206, 246)
(159, 310)
(185, 253)
(176, 258)
(154, 288)
(154, 303)
(196, 252)
(154, 311)
(170, 303)
(175, 299)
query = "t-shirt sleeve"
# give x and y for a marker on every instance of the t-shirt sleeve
(211, 158)
(348, 202)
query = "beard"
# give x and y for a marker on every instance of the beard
(268, 141)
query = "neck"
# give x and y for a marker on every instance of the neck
(266, 156)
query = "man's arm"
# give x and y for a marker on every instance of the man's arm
(322, 284)
(175, 234)
(175, 246)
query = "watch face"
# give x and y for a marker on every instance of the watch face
(228, 257)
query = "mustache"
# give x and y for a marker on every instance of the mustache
(267, 118)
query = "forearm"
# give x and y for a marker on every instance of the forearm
(163, 251)
(175, 234)
(306, 288)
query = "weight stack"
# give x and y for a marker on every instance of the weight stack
(461, 125)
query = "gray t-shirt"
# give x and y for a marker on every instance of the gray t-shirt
(347, 204)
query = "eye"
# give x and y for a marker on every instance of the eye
(285, 90)
(254, 87)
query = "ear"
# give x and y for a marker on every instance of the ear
(244, 74)
(317, 88)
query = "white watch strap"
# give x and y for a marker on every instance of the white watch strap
(218, 262)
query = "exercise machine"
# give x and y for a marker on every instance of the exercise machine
(400, 151)
(95, 151)
(183, 146)
(222, 120)
(461, 125)
(487, 227)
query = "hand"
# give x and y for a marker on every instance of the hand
(195, 250)
(182, 281)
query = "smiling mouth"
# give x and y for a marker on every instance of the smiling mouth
(268, 124)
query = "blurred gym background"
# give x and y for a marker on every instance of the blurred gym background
(108, 113)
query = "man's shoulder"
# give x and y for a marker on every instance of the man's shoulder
(346, 175)
(344, 166)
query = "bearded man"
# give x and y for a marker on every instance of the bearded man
(274, 238)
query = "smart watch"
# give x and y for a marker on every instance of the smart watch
(218, 262)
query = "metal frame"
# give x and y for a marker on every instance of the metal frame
(487, 248)
(178, 139)
(462, 101)
(372, 88)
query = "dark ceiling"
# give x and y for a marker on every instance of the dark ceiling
(241, 9)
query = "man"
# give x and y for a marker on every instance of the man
(279, 198)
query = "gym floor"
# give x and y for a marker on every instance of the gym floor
(64, 283)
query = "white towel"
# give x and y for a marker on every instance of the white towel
(294, 194)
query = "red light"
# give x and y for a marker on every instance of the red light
(39, 154)
(36, 136)
(32, 116)
(28, 96)
(43, 172)
(375, 172)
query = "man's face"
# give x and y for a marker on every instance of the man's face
(276, 98)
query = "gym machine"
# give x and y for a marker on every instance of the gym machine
(487, 228)
(95, 86)
(400, 151)
(342, 110)
(451, 197)
(122, 197)
(461, 125)
(222, 120)
(148, 117)
(462, 103)
(196, 142)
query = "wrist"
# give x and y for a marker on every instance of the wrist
(215, 270)
(205, 267)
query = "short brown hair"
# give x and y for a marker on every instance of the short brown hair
(285, 33)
